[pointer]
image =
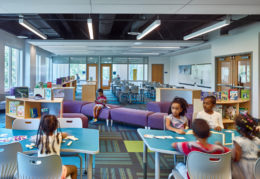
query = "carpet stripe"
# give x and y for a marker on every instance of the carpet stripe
(113, 174)
(129, 173)
(122, 173)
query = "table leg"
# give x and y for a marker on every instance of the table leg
(90, 160)
(145, 161)
(157, 165)
(85, 172)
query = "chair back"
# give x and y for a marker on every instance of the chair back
(70, 122)
(39, 167)
(26, 124)
(209, 165)
(124, 89)
(164, 122)
(257, 169)
(8, 159)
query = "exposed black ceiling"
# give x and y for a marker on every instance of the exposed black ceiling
(115, 26)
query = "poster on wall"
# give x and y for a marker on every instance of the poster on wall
(196, 75)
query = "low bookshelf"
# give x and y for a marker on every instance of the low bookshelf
(54, 106)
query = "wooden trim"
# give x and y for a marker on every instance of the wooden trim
(101, 76)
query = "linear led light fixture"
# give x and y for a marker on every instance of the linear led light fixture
(149, 29)
(28, 26)
(90, 29)
(155, 47)
(208, 29)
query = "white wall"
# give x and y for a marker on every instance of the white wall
(160, 60)
(241, 40)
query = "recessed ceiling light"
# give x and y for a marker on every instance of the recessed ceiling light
(133, 33)
(22, 37)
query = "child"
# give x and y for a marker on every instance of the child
(100, 103)
(213, 118)
(201, 131)
(48, 142)
(244, 153)
(176, 121)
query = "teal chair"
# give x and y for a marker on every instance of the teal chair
(8, 159)
(39, 167)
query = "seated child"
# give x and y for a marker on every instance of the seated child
(100, 103)
(213, 118)
(244, 153)
(201, 131)
(176, 121)
(48, 142)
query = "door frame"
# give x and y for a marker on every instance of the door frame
(101, 76)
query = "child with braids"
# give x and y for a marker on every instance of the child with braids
(48, 142)
(176, 121)
(244, 152)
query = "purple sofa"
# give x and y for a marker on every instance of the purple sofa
(72, 109)
(161, 108)
(130, 116)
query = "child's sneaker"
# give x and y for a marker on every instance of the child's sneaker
(95, 120)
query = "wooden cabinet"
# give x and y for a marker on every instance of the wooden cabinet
(55, 107)
(89, 91)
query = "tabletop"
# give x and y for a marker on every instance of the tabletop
(164, 145)
(88, 139)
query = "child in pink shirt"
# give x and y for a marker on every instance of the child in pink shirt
(100, 103)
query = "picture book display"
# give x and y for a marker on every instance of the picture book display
(48, 94)
(39, 91)
(21, 92)
(224, 95)
(58, 93)
(205, 94)
(233, 94)
(20, 111)
(49, 85)
(245, 94)
(44, 111)
(33, 113)
(13, 107)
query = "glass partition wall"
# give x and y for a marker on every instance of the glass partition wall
(102, 69)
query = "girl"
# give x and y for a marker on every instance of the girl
(176, 121)
(48, 142)
(244, 153)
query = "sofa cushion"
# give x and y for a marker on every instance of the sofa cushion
(87, 110)
(131, 116)
(155, 120)
(158, 106)
(77, 115)
(73, 106)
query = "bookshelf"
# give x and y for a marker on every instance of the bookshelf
(240, 103)
(89, 91)
(28, 103)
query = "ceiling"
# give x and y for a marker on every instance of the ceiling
(131, 7)
(116, 47)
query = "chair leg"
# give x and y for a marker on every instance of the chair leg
(85, 172)
(174, 159)
(111, 122)
(94, 163)
(107, 122)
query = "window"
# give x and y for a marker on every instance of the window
(121, 70)
(60, 67)
(38, 68)
(136, 72)
(13, 67)
(78, 66)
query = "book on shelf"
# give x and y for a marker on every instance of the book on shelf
(233, 94)
(243, 110)
(21, 92)
(58, 93)
(224, 95)
(219, 109)
(245, 94)
(33, 112)
(48, 94)
(229, 112)
(20, 111)
(49, 85)
(13, 107)
(39, 91)
(44, 111)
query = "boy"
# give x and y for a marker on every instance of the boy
(100, 103)
(201, 132)
(213, 118)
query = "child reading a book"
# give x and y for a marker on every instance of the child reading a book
(201, 131)
(48, 142)
(176, 121)
(213, 118)
(100, 103)
(244, 153)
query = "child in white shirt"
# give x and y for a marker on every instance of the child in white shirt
(213, 118)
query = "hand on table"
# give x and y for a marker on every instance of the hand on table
(218, 128)
(180, 131)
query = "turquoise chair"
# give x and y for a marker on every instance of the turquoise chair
(8, 159)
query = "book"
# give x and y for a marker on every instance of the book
(219, 109)
(33, 112)
(58, 93)
(217, 95)
(224, 95)
(44, 111)
(230, 112)
(13, 107)
(21, 92)
(245, 94)
(39, 91)
(233, 94)
(48, 94)
(20, 111)
(49, 85)
(243, 110)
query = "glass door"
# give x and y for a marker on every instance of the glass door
(106, 75)
(225, 74)
(92, 73)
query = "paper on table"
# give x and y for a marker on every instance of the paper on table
(180, 137)
(148, 136)
(3, 135)
(189, 132)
